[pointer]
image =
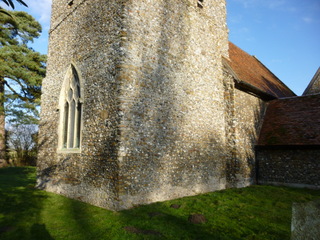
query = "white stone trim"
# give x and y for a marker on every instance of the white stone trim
(71, 93)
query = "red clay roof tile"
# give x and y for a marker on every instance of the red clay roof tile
(292, 121)
(250, 70)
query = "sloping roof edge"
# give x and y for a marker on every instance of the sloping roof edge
(315, 77)
(244, 86)
(275, 76)
(250, 70)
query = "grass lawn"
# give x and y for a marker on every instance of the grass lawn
(257, 212)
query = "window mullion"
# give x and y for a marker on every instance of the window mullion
(72, 118)
(69, 125)
(76, 119)
(65, 125)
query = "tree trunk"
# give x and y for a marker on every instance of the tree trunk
(2, 125)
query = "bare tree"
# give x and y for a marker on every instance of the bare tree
(22, 144)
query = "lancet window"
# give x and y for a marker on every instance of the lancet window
(72, 112)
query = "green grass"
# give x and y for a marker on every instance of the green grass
(257, 212)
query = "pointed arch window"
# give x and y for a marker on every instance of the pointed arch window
(71, 112)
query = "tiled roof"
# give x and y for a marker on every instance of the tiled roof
(292, 121)
(250, 70)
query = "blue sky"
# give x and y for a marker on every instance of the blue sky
(283, 34)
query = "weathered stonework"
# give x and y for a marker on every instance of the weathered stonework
(244, 114)
(305, 224)
(296, 166)
(249, 112)
(288, 150)
(163, 115)
(153, 109)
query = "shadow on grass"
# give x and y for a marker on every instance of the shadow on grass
(163, 223)
(155, 221)
(256, 212)
(39, 231)
(20, 204)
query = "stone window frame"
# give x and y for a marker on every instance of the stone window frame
(71, 112)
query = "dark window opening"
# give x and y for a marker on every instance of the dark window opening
(200, 3)
(70, 3)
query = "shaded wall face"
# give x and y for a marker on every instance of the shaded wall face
(291, 166)
(85, 36)
(249, 113)
(153, 112)
(244, 116)
(172, 129)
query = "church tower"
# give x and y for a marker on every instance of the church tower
(132, 104)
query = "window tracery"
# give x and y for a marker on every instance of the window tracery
(72, 112)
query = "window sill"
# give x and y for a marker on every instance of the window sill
(69, 150)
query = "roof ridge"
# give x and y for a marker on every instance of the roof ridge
(302, 96)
